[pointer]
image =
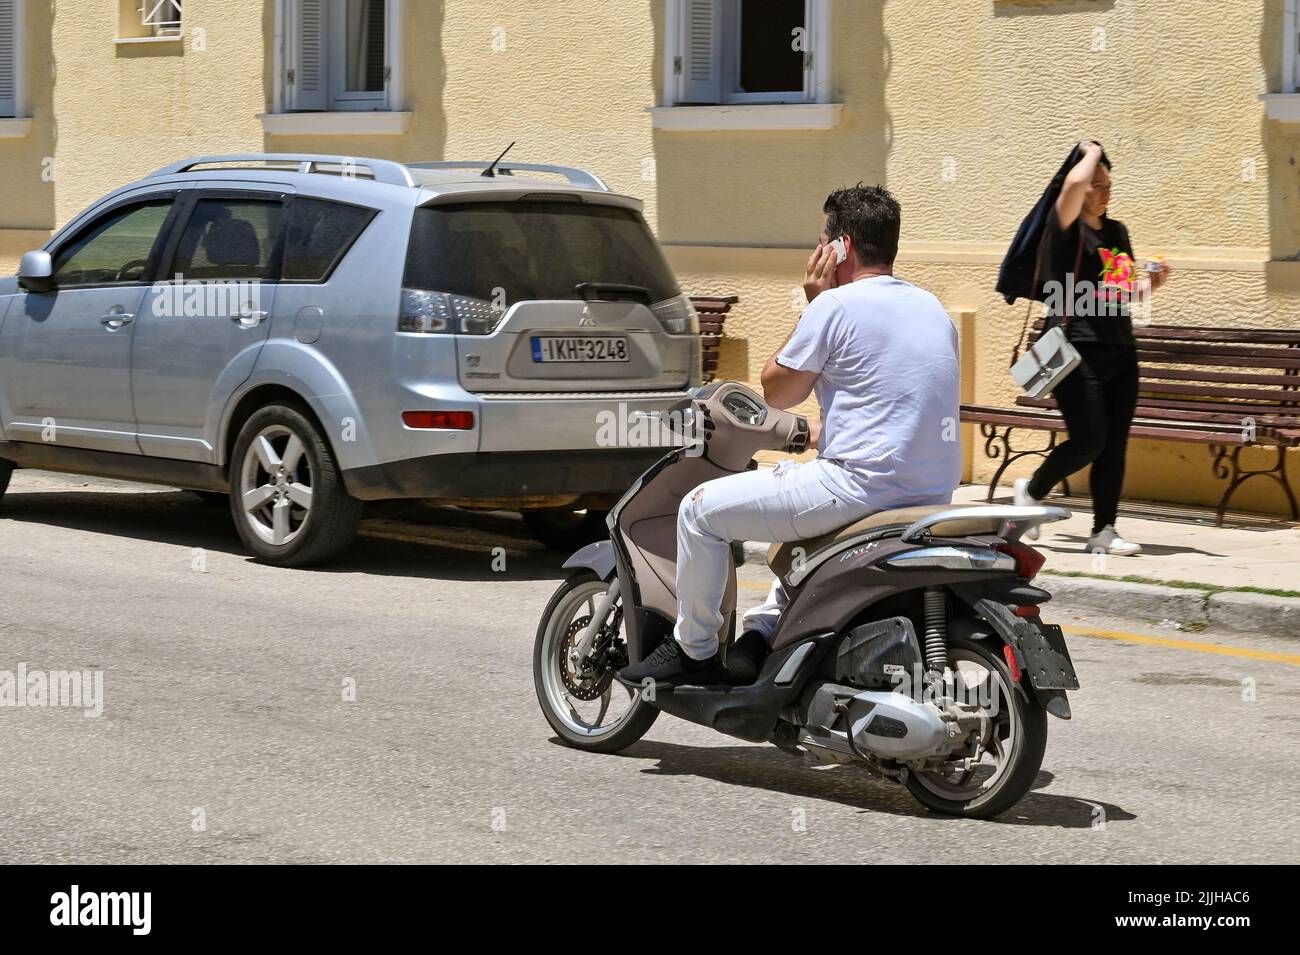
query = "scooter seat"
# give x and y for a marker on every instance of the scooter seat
(780, 557)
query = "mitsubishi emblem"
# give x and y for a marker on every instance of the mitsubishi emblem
(586, 318)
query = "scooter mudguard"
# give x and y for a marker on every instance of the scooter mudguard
(597, 556)
(1040, 652)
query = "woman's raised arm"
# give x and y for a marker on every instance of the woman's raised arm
(1069, 204)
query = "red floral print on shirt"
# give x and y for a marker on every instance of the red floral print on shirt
(1117, 274)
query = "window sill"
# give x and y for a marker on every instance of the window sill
(336, 123)
(1283, 107)
(149, 39)
(11, 128)
(766, 116)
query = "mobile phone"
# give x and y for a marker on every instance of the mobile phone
(841, 253)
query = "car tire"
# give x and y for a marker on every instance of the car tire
(6, 471)
(287, 496)
(565, 529)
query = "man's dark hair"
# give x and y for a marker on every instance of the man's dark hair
(868, 215)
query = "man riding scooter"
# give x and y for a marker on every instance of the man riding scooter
(881, 356)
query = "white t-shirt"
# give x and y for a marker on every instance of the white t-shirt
(888, 390)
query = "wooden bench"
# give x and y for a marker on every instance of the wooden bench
(1228, 388)
(713, 311)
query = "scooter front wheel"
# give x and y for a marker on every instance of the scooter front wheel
(587, 707)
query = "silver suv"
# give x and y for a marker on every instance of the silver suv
(306, 333)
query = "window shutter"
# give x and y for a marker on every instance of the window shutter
(9, 41)
(1295, 53)
(701, 51)
(306, 82)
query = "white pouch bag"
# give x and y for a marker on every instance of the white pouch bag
(1046, 363)
(1052, 357)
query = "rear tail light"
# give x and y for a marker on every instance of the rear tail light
(1028, 561)
(677, 316)
(442, 313)
(439, 420)
(951, 558)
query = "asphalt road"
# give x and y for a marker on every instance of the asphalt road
(225, 735)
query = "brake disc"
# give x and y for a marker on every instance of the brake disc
(587, 685)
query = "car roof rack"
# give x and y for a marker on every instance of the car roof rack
(381, 170)
(576, 177)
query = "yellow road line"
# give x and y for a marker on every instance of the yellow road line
(1271, 656)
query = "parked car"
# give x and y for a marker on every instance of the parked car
(307, 333)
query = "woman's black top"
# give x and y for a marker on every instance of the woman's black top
(1097, 298)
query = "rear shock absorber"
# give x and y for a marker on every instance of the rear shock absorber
(936, 630)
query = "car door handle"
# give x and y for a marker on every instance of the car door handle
(115, 320)
(249, 319)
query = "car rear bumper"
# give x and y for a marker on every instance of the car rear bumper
(575, 420)
(503, 475)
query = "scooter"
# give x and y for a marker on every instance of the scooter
(912, 643)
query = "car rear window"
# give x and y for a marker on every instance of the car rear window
(533, 249)
(319, 234)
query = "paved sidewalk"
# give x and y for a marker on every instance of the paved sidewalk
(1265, 556)
(1190, 575)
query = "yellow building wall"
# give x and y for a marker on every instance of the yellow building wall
(963, 109)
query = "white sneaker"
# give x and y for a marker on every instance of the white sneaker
(1108, 542)
(1020, 498)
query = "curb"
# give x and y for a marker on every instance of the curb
(1255, 613)
(1237, 611)
(1121, 599)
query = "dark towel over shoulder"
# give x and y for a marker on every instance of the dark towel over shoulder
(1017, 272)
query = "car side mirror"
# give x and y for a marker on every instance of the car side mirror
(36, 272)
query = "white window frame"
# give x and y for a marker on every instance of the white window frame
(727, 52)
(16, 110)
(1284, 105)
(340, 97)
(337, 100)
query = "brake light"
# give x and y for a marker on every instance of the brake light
(1028, 561)
(1026, 611)
(439, 420)
(444, 313)
(677, 316)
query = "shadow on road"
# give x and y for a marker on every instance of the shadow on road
(766, 767)
(398, 539)
(1064, 543)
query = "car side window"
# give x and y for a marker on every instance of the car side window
(318, 235)
(229, 239)
(114, 249)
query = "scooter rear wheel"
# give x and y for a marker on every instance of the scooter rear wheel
(568, 700)
(1020, 739)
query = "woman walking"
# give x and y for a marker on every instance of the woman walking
(1086, 260)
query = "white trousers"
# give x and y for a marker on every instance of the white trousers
(790, 503)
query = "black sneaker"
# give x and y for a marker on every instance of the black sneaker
(745, 658)
(668, 664)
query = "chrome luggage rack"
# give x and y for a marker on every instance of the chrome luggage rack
(1015, 520)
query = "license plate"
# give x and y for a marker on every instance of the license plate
(1047, 658)
(558, 348)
